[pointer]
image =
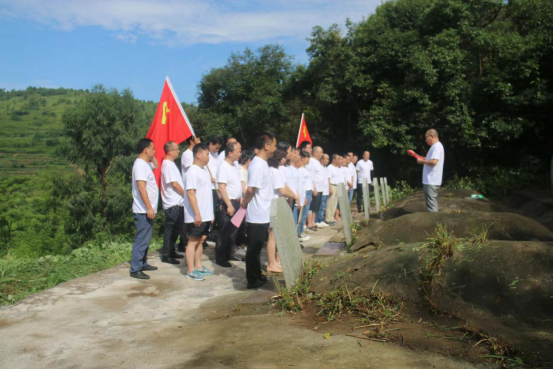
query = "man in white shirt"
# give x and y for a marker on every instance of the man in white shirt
(222, 154)
(432, 171)
(187, 158)
(172, 192)
(145, 195)
(257, 202)
(230, 188)
(318, 184)
(319, 219)
(363, 168)
(351, 166)
(335, 177)
(198, 212)
(215, 143)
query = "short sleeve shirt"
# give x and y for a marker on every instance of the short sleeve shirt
(198, 179)
(243, 174)
(169, 195)
(325, 185)
(335, 175)
(213, 164)
(228, 174)
(142, 171)
(432, 175)
(259, 178)
(353, 173)
(364, 168)
(186, 160)
(278, 182)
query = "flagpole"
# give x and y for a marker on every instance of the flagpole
(299, 132)
(180, 106)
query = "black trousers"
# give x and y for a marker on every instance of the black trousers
(257, 236)
(174, 223)
(226, 239)
(359, 197)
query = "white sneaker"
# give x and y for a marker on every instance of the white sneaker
(303, 237)
(241, 253)
(322, 225)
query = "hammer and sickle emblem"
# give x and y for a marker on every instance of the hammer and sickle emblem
(304, 132)
(165, 111)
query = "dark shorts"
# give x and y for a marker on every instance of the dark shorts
(316, 202)
(198, 232)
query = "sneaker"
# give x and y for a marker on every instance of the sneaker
(204, 271)
(308, 230)
(303, 237)
(195, 276)
(323, 224)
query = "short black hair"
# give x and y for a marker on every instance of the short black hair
(305, 154)
(334, 156)
(168, 145)
(190, 139)
(283, 146)
(231, 137)
(143, 144)
(246, 155)
(230, 147)
(264, 139)
(216, 140)
(198, 147)
(304, 144)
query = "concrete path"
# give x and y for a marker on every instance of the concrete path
(109, 320)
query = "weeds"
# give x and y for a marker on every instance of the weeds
(355, 227)
(293, 299)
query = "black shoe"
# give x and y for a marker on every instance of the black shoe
(169, 260)
(177, 256)
(236, 258)
(224, 264)
(140, 275)
(256, 284)
(149, 267)
(205, 244)
(181, 248)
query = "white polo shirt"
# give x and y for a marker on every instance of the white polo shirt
(169, 195)
(142, 171)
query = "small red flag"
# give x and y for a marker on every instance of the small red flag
(303, 134)
(170, 124)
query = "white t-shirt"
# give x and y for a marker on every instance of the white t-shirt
(325, 184)
(228, 174)
(364, 168)
(432, 175)
(142, 171)
(186, 160)
(243, 174)
(169, 195)
(346, 174)
(307, 179)
(354, 174)
(284, 173)
(213, 164)
(198, 179)
(292, 179)
(318, 174)
(278, 181)
(335, 174)
(259, 177)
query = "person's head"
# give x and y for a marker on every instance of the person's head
(306, 146)
(304, 155)
(193, 140)
(317, 152)
(336, 159)
(366, 155)
(145, 149)
(171, 150)
(266, 143)
(346, 159)
(355, 159)
(201, 154)
(215, 143)
(431, 137)
(233, 151)
(246, 157)
(276, 160)
(231, 140)
(324, 160)
(350, 155)
(286, 148)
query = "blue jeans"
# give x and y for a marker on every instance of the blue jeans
(144, 231)
(350, 195)
(321, 213)
(305, 211)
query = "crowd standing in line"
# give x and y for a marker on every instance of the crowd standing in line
(212, 186)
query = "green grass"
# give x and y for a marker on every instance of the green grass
(21, 277)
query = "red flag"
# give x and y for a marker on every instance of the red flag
(170, 124)
(303, 134)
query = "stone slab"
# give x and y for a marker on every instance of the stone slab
(288, 245)
(345, 212)
(331, 249)
(366, 199)
(376, 194)
(383, 191)
(387, 190)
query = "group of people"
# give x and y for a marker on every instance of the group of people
(211, 186)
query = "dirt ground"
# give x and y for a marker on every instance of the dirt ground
(109, 320)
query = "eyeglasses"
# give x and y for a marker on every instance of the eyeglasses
(178, 150)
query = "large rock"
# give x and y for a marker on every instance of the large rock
(417, 228)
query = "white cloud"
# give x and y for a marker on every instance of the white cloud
(192, 21)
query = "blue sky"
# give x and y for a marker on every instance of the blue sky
(136, 43)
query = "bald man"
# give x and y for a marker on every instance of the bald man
(433, 167)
